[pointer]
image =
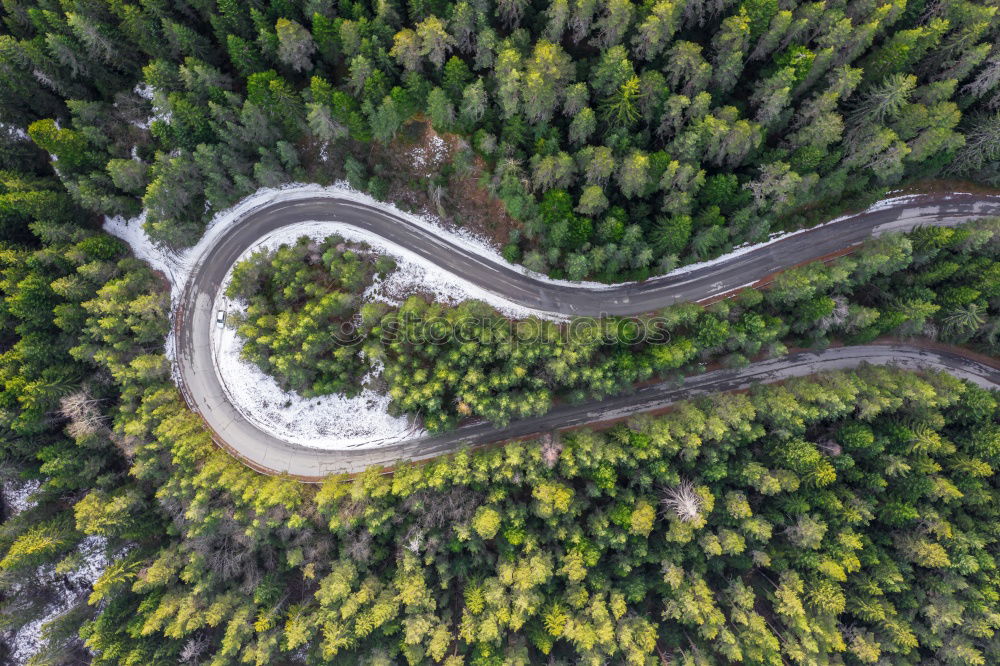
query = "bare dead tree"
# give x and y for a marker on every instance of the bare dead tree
(83, 414)
(193, 649)
(551, 448)
(682, 500)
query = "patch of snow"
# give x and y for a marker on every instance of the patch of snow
(414, 274)
(74, 585)
(328, 422)
(17, 497)
(148, 92)
(438, 146)
(175, 266)
(16, 131)
(433, 154)
(28, 639)
(93, 548)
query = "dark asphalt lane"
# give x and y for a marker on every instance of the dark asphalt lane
(203, 390)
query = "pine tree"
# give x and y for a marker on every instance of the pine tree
(295, 45)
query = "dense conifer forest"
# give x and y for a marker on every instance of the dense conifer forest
(625, 137)
(845, 518)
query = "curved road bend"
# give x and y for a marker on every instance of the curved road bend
(270, 454)
(203, 390)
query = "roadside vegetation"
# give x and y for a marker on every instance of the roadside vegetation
(445, 364)
(301, 301)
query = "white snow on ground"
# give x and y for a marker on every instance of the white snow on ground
(17, 497)
(175, 266)
(76, 586)
(334, 421)
(740, 250)
(178, 265)
(148, 92)
(18, 132)
(432, 154)
(413, 274)
(327, 422)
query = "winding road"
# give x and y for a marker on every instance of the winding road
(202, 388)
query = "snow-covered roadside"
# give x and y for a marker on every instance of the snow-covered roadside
(329, 422)
(417, 273)
(336, 422)
(414, 274)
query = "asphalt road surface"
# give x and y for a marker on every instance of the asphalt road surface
(203, 390)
